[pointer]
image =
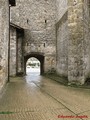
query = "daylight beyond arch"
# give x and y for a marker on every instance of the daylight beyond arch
(33, 66)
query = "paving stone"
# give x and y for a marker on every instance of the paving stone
(39, 98)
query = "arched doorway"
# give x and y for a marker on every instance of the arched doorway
(39, 57)
(33, 66)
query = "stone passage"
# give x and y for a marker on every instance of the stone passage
(34, 98)
(55, 32)
(37, 18)
(39, 56)
(60, 31)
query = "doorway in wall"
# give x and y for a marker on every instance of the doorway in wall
(33, 66)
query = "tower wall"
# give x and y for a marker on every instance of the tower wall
(4, 39)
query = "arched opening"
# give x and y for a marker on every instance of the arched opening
(39, 57)
(33, 66)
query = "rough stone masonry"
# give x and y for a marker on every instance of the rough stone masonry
(56, 30)
(4, 38)
(78, 42)
(73, 45)
(60, 30)
(37, 18)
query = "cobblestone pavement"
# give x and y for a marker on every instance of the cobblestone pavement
(38, 98)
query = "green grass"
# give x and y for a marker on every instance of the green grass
(6, 112)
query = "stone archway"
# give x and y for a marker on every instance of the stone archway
(39, 56)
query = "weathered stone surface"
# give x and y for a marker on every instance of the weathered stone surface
(16, 49)
(62, 7)
(73, 40)
(87, 37)
(60, 31)
(78, 44)
(38, 20)
(4, 38)
(20, 35)
(62, 37)
(13, 51)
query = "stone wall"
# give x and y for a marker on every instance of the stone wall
(16, 47)
(62, 46)
(38, 20)
(86, 19)
(78, 45)
(20, 35)
(13, 54)
(14, 13)
(59, 30)
(61, 8)
(75, 48)
(62, 37)
(73, 43)
(89, 34)
(4, 38)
